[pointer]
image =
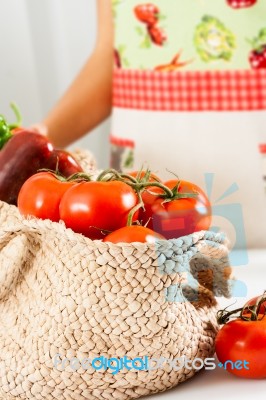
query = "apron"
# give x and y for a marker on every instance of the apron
(189, 96)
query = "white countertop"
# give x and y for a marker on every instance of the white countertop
(218, 384)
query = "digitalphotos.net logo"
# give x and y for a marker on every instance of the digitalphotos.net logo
(115, 365)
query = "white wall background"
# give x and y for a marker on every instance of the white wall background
(43, 45)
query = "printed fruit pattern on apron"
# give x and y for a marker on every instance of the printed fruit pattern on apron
(174, 64)
(171, 36)
(241, 3)
(149, 15)
(213, 39)
(257, 57)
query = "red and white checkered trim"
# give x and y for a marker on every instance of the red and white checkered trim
(190, 90)
(121, 142)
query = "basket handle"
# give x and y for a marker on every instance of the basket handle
(200, 274)
(14, 253)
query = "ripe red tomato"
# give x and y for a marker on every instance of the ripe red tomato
(41, 194)
(134, 233)
(240, 340)
(179, 217)
(252, 302)
(93, 207)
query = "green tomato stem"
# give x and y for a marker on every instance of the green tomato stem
(223, 316)
(79, 177)
(111, 172)
(254, 310)
(135, 209)
(141, 183)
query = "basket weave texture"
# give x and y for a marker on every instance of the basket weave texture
(85, 158)
(62, 293)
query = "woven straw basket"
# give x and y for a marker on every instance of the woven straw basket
(62, 293)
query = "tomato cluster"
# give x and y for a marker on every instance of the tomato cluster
(243, 339)
(137, 207)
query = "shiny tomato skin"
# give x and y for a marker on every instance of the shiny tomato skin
(40, 196)
(179, 217)
(91, 208)
(134, 233)
(245, 341)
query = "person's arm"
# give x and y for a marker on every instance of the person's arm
(88, 100)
